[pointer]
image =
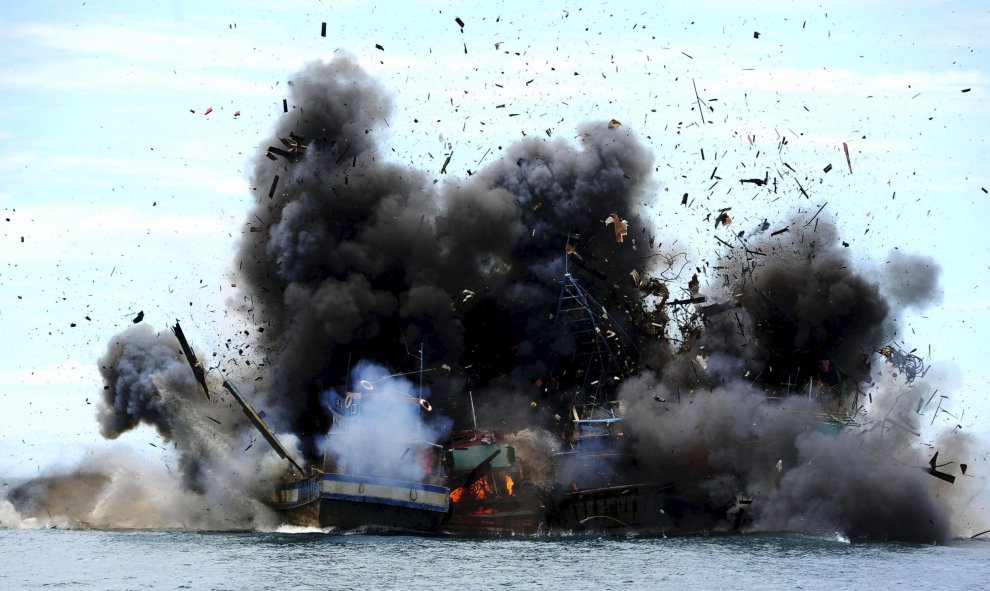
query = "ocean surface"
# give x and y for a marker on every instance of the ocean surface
(313, 559)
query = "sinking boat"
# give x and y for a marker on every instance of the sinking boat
(492, 489)
(370, 480)
(372, 477)
(598, 484)
(595, 483)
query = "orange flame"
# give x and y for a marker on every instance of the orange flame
(481, 489)
(455, 495)
(509, 484)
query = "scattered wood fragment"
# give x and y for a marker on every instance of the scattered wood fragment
(701, 111)
(757, 182)
(271, 192)
(816, 214)
(694, 300)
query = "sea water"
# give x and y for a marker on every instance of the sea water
(292, 558)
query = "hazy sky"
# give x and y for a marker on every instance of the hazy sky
(120, 194)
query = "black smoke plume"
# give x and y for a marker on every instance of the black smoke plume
(346, 257)
(359, 258)
(766, 399)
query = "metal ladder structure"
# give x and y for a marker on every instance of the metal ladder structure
(588, 322)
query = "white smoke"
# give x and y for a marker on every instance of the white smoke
(382, 427)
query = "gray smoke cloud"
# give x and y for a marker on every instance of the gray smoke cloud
(345, 256)
(803, 474)
(360, 258)
(218, 481)
(751, 405)
(911, 280)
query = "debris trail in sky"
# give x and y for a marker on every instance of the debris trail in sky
(357, 257)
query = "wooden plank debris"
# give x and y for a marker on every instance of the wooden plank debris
(271, 192)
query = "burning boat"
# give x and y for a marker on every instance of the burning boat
(371, 477)
(598, 483)
(492, 492)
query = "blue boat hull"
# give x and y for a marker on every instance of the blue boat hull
(349, 502)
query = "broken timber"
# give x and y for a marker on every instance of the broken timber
(194, 363)
(260, 425)
(697, 300)
(249, 411)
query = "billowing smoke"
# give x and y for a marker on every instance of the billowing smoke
(148, 381)
(354, 257)
(120, 489)
(766, 400)
(345, 256)
(383, 428)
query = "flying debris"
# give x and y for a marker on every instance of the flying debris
(261, 426)
(757, 182)
(605, 371)
(911, 366)
(194, 363)
(271, 191)
(295, 148)
(933, 470)
(723, 218)
(620, 225)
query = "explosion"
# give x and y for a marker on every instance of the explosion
(351, 258)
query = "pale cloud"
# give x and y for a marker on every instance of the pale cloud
(67, 374)
(98, 56)
(163, 174)
(844, 81)
(51, 222)
(71, 231)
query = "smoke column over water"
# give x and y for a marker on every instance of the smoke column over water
(352, 257)
(148, 381)
(362, 258)
(747, 407)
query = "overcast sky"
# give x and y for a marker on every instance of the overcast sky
(121, 194)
